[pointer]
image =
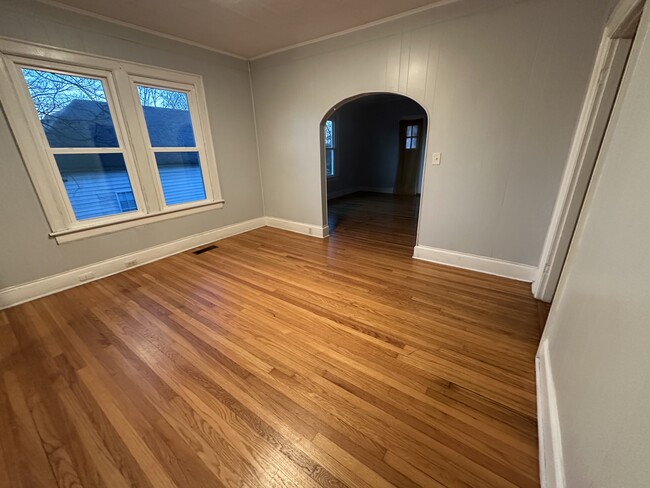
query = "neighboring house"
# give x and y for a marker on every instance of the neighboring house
(98, 184)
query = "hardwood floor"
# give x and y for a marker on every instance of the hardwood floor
(274, 360)
(367, 217)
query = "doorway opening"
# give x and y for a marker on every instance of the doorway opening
(607, 76)
(373, 151)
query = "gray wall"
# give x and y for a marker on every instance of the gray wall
(368, 143)
(26, 252)
(599, 327)
(502, 82)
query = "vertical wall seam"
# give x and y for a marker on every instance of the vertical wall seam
(257, 139)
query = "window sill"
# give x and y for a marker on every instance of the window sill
(107, 228)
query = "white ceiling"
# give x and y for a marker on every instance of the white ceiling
(247, 28)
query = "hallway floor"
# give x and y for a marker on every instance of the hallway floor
(386, 221)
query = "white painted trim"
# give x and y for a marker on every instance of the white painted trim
(620, 16)
(298, 227)
(482, 264)
(560, 228)
(570, 175)
(551, 459)
(80, 11)
(36, 50)
(385, 20)
(204, 145)
(136, 221)
(119, 79)
(340, 193)
(15, 295)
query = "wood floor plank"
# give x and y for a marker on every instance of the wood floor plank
(347, 460)
(277, 360)
(31, 463)
(92, 443)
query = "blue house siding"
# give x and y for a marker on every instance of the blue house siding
(182, 184)
(93, 194)
(180, 176)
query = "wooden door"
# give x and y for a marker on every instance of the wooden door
(410, 156)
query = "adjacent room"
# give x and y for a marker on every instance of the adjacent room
(373, 162)
(363, 244)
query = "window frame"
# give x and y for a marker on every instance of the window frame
(412, 138)
(199, 139)
(117, 79)
(332, 149)
(35, 127)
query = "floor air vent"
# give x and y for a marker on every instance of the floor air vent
(205, 249)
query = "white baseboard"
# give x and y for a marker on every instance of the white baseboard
(349, 191)
(299, 227)
(15, 295)
(551, 461)
(515, 271)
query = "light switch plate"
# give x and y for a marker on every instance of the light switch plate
(436, 158)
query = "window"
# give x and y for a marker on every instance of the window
(108, 143)
(330, 147)
(126, 201)
(172, 143)
(78, 124)
(412, 137)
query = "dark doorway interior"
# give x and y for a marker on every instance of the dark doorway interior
(374, 158)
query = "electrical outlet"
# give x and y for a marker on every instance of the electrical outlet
(86, 277)
(436, 158)
(130, 264)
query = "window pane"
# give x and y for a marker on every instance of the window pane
(180, 177)
(409, 128)
(72, 109)
(93, 183)
(414, 143)
(415, 130)
(329, 162)
(408, 143)
(329, 134)
(126, 201)
(167, 115)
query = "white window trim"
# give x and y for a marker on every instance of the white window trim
(36, 131)
(200, 143)
(118, 77)
(333, 149)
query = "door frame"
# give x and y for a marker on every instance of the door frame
(601, 96)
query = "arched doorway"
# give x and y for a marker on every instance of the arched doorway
(372, 158)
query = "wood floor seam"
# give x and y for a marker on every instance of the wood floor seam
(277, 360)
